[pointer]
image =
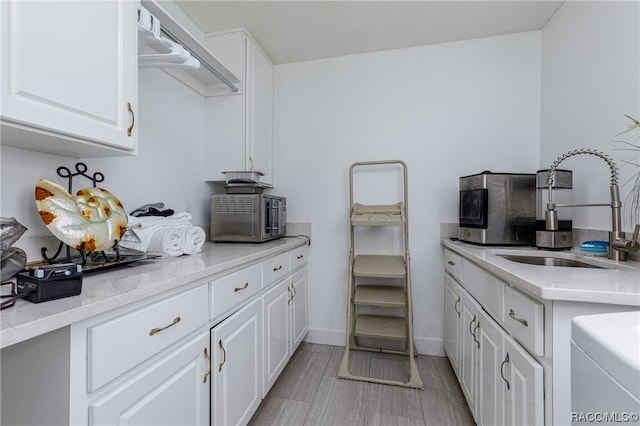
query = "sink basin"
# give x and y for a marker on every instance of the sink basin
(549, 261)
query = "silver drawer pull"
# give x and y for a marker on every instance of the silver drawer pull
(512, 315)
(277, 268)
(451, 262)
(159, 329)
(300, 256)
(237, 289)
(455, 307)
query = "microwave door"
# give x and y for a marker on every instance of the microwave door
(474, 205)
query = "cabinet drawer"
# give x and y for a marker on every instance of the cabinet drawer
(298, 257)
(119, 344)
(453, 264)
(486, 288)
(230, 291)
(524, 318)
(275, 268)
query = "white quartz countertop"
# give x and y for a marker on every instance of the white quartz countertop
(117, 287)
(619, 285)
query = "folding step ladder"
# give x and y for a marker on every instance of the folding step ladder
(379, 311)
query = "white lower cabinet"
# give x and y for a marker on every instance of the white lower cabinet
(202, 354)
(524, 395)
(491, 385)
(469, 345)
(501, 381)
(285, 323)
(236, 343)
(277, 332)
(299, 308)
(175, 391)
(453, 318)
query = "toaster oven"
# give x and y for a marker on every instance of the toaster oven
(253, 218)
(498, 208)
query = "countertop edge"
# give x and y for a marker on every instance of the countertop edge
(11, 334)
(538, 288)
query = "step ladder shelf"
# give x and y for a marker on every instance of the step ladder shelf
(379, 311)
(378, 295)
(382, 266)
(378, 215)
(375, 326)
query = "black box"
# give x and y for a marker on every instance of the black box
(50, 282)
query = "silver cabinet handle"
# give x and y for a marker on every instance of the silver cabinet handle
(455, 307)
(159, 329)
(506, 360)
(300, 256)
(277, 268)
(471, 325)
(513, 316)
(133, 119)
(451, 262)
(474, 333)
(224, 355)
(295, 292)
(290, 295)
(237, 289)
(208, 358)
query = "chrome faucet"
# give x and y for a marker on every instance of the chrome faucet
(618, 245)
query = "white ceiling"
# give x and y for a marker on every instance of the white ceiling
(294, 31)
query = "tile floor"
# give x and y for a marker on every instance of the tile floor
(308, 392)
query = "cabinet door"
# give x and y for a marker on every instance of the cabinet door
(236, 345)
(299, 308)
(452, 321)
(69, 69)
(275, 304)
(469, 350)
(524, 393)
(259, 103)
(490, 384)
(174, 391)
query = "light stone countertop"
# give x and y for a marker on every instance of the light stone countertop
(613, 286)
(121, 286)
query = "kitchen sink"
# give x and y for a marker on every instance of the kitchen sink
(560, 259)
(549, 261)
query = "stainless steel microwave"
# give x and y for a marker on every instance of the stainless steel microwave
(251, 218)
(498, 208)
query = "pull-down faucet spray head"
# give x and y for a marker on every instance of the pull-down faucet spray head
(616, 234)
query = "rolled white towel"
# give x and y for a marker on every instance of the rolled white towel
(166, 242)
(193, 238)
(141, 228)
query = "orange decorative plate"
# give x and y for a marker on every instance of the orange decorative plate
(93, 220)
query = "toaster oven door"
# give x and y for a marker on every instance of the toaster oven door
(272, 218)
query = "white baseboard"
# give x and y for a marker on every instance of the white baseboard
(322, 336)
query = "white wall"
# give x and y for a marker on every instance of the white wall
(590, 77)
(168, 167)
(447, 110)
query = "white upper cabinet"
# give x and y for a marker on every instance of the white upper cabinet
(69, 77)
(240, 126)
